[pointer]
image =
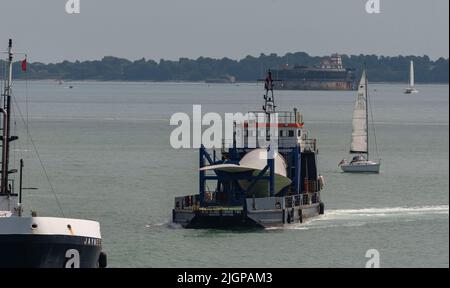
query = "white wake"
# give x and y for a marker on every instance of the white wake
(363, 216)
(387, 212)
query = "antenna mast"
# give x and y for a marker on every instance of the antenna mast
(367, 115)
(269, 100)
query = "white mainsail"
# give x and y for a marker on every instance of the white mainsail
(359, 133)
(411, 74)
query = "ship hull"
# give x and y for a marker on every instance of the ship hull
(48, 242)
(223, 219)
(315, 85)
(198, 220)
(48, 251)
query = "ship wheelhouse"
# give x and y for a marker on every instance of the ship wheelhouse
(288, 130)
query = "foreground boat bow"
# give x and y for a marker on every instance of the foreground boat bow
(31, 241)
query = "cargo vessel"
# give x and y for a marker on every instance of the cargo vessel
(330, 74)
(270, 181)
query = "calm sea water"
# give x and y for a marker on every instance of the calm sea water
(106, 149)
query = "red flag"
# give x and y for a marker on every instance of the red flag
(24, 65)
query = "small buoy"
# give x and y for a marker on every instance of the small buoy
(321, 208)
(102, 260)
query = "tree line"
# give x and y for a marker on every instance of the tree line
(250, 68)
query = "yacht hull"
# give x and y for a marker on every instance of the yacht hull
(366, 167)
(411, 91)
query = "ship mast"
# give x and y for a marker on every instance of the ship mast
(269, 100)
(5, 110)
(367, 116)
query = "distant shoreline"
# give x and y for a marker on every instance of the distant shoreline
(195, 82)
(381, 69)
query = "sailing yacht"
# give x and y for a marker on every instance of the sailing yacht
(360, 135)
(411, 89)
(29, 241)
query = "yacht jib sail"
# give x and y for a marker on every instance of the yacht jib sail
(360, 134)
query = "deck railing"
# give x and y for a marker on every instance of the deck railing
(192, 202)
(283, 202)
(309, 144)
(302, 199)
(284, 117)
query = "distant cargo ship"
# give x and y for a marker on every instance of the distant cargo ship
(329, 75)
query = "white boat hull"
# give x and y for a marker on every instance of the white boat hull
(361, 167)
(411, 91)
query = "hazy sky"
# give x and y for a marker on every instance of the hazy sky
(171, 29)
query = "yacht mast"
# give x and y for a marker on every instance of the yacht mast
(5, 110)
